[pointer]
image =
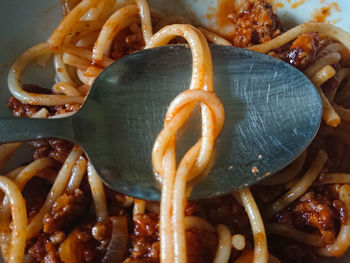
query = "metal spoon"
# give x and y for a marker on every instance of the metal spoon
(272, 114)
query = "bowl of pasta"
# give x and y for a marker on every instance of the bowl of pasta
(55, 208)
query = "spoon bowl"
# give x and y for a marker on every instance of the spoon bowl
(272, 113)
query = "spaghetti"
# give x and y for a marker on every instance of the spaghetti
(307, 203)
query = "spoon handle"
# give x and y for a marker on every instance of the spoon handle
(24, 129)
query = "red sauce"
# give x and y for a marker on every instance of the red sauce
(225, 9)
(297, 4)
(321, 14)
(253, 22)
(301, 52)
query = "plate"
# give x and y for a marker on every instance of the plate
(25, 23)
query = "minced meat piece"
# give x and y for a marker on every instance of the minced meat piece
(255, 23)
(315, 210)
(288, 251)
(298, 253)
(85, 244)
(301, 52)
(35, 192)
(20, 109)
(123, 44)
(65, 210)
(60, 149)
(223, 210)
(55, 148)
(81, 246)
(265, 195)
(115, 203)
(66, 108)
(145, 237)
(42, 250)
(201, 245)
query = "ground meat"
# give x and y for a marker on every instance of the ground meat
(295, 253)
(80, 244)
(301, 52)
(83, 244)
(71, 222)
(255, 23)
(126, 42)
(55, 148)
(60, 149)
(20, 109)
(89, 243)
(42, 250)
(316, 209)
(201, 246)
(290, 252)
(190, 209)
(223, 210)
(65, 108)
(35, 192)
(145, 237)
(115, 204)
(65, 210)
(265, 195)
